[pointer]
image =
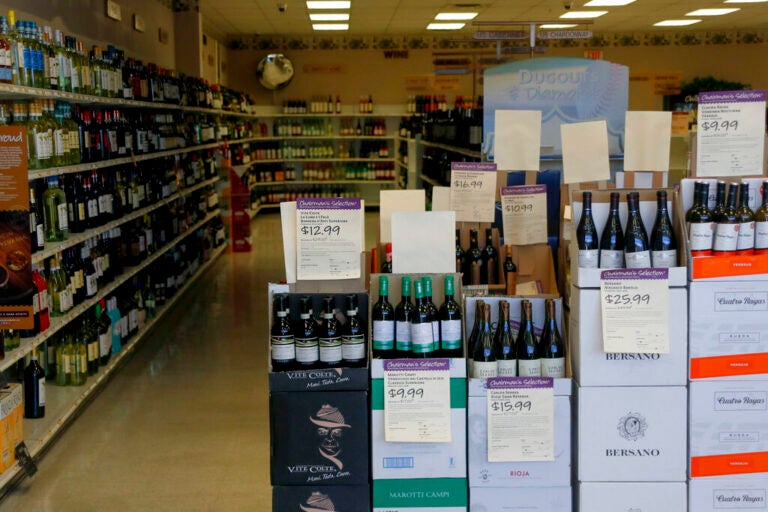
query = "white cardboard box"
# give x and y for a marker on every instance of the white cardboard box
(728, 428)
(728, 330)
(717, 494)
(632, 434)
(634, 497)
(532, 499)
(593, 367)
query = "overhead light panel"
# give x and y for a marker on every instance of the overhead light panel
(712, 12)
(328, 5)
(454, 16)
(581, 15)
(316, 16)
(745, 1)
(330, 26)
(558, 25)
(608, 3)
(675, 23)
(445, 26)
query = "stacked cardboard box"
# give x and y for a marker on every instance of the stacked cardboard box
(11, 424)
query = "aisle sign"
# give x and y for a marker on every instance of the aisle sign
(524, 214)
(731, 133)
(329, 238)
(635, 310)
(417, 401)
(521, 419)
(473, 191)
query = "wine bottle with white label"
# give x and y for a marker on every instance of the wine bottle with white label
(307, 345)
(612, 239)
(637, 253)
(727, 226)
(472, 339)
(422, 344)
(353, 350)
(329, 337)
(282, 344)
(761, 224)
(34, 388)
(383, 318)
(483, 356)
(526, 345)
(663, 240)
(701, 226)
(552, 346)
(450, 323)
(586, 235)
(504, 344)
(435, 314)
(403, 313)
(746, 240)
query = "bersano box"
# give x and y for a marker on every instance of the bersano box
(728, 329)
(592, 366)
(420, 495)
(718, 494)
(634, 497)
(531, 499)
(420, 460)
(298, 498)
(728, 428)
(319, 438)
(632, 434)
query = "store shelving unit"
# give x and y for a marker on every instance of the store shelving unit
(453, 149)
(320, 182)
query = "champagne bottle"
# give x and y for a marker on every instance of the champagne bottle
(745, 243)
(450, 323)
(422, 344)
(473, 261)
(483, 356)
(353, 348)
(305, 336)
(330, 336)
(504, 343)
(761, 224)
(435, 314)
(552, 346)
(636, 249)
(403, 313)
(663, 241)
(701, 227)
(510, 272)
(489, 270)
(34, 388)
(282, 342)
(586, 235)
(612, 239)
(460, 257)
(383, 318)
(727, 226)
(526, 345)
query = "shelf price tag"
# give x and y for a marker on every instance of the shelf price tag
(417, 401)
(520, 419)
(731, 133)
(473, 191)
(329, 238)
(524, 214)
(635, 310)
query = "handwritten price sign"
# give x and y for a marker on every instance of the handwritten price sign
(473, 191)
(524, 214)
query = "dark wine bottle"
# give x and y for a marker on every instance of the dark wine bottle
(761, 224)
(473, 261)
(551, 344)
(489, 270)
(719, 201)
(612, 239)
(701, 227)
(450, 323)
(353, 348)
(282, 343)
(329, 337)
(472, 339)
(460, 257)
(386, 265)
(383, 318)
(746, 240)
(403, 313)
(483, 356)
(586, 235)
(727, 226)
(305, 336)
(510, 271)
(104, 331)
(636, 249)
(526, 345)
(663, 240)
(34, 388)
(504, 343)
(435, 314)
(422, 344)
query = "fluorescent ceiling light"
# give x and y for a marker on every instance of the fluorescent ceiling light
(608, 3)
(580, 15)
(450, 16)
(675, 23)
(712, 12)
(445, 26)
(745, 1)
(330, 26)
(329, 5)
(315, 16)
(558, 25)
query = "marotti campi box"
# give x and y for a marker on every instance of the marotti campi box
(321, 498)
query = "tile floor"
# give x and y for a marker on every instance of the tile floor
(184, 425)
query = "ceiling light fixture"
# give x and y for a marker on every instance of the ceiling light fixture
(316, 16)
(675, 23)
(608, 3)
(712, 12)
(445, 26)
(558, 25)
(583, 14)
(328, 5)
(745, 1)
(330, 26)
(453, 16)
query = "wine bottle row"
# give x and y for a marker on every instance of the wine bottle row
(480, 266)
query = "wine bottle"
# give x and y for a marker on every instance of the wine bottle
(612, 239)
(489, 269)
(719, 201)
(636, 249)
(434, 313)
(403, 313)
(510, 272)
(586, 235)
(745, 243)
(701, 227)
(422, 344)
(526, 345)
(383, 318)
(55, 211)
(460, 257)
(305, 336)
(727, 226)
(483, 356)
(472, 339)
(473, 261)
(36, 225)
(329, 337)
(551, 344)
(663, 240)
(79, 359)
(504, 343)
(92, 345)
(353, 349)
(34, 388)
(761, 223)
(386, 265)
(104, 331)
(282, 342)
(450, 323)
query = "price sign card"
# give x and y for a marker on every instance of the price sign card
(521, 414)
(329, 238)
(524, 214)
(473, 191)
(417, 401)
(731, 133)
(635, 308)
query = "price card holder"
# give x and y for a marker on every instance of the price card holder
(521, 419)
(417, 401)
(635, 310)
(473, 191)
(524, 214)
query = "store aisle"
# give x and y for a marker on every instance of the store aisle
(184, 425)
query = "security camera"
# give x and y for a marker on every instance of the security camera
(282, 7)
(567, 4)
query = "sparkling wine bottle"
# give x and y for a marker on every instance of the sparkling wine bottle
(527, 346)
(551, 344)
(504, 343)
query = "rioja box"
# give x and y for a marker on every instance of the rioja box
(530, 499)
(640, 496)
(342, 498)
(717, 494)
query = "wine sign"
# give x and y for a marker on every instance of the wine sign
(521, 419)
(524, 214)
(417, 401)
(329, 238)
(635, 310)
(731, 133)
(473, 191)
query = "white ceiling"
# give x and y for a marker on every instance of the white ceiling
(379, 17)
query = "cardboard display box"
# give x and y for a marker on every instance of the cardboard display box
(420, 495)
(632, 434)
(319, 438)
(728, 428)
(716, 494)
(295, 498)
(11, 423)
(594, 367)
(531, 499)
(635, 496)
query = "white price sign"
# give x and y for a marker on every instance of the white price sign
(520, 419)
(473, 191)
(635, 310)
(329, 238)
(524, 214)
(417, 401)
(731, 133)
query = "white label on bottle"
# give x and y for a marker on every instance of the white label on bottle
(91, 286)
(93, 208)
(105, 344)
(43, 300)
(283, 348)
(41, 392)
(133, 320)
(726, 237)
(41, 235)
(436, 334)
(36, 303)
(484, 370)
(529, 368)
(58, 142)
(746, 238)
(330, 350)
(403, 336)
(700, 236)
(588, 258)
(383, 334)
(507, 367)
(554, 368)
(640, 259)
(664, 259)
(306, 350)
(611, 259)
(93, 351)
(61, 209)
(761, 235)
(421, 338)
(451, 334)
(353, 347)
(123, 327)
